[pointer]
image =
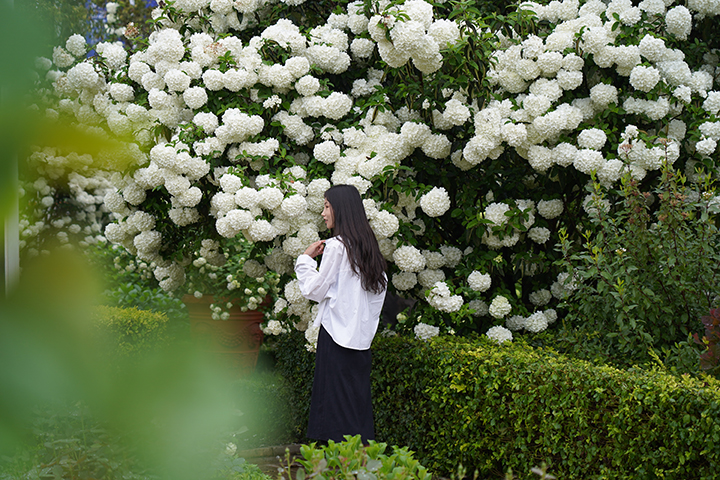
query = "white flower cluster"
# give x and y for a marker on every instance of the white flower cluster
(499, 334)
(424, 331)
(274, 327)
(479, 282)
(311, 336)
(211, 163)
(442, 299)
(499, 307)
(418, 39)
(436, 202)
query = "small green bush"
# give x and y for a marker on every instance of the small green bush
(647, 272)
(488, 407)
(350, 459)
(131, 331)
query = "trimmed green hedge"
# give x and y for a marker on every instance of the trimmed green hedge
(455, 401)
(130, 331)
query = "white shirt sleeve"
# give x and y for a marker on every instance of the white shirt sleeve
(314, 283)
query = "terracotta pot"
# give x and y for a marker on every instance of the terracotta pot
(233, 343)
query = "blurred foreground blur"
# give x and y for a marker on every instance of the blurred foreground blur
(170, 409)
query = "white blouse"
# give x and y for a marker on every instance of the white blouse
(349, 313)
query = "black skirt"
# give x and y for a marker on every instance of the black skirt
(341, 401)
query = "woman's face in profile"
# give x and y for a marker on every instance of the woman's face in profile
(328, 215)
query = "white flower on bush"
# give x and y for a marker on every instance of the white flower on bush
(563, 286)
(644, 78)
(550, 315)
(311, 336)
(537, 322)
(480, 308)
(409, 259)
(540, 297)
(592, 138)
(706, 147)
(499, 334)
(429, 277)
(384, 224)
(499, 307)
(435, 202)
(441, 298)
(274, 327)
(515, 323)
(425, 332)
(479, 282)
(539, 234)
(495, 212)
(404, 280)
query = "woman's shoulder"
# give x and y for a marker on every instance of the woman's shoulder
(334, 243)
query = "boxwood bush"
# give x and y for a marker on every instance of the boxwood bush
(489, 407)
(130, 332)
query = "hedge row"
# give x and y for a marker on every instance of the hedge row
(130, 331)
(488, 407)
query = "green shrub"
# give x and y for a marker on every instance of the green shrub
(349, 459)
(131, 331)
(264, 399)
(297, 366)
(647, 272)
(129, 282)
(488, 407)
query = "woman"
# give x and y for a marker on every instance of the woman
(350, 287)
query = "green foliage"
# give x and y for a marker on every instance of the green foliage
(647, 270)
(130, 331)
(297, 366)
(238, 469)
(69, 443)
(129, 282)
(350, 459)
(66, 443)
(489, 407)
(266, 419)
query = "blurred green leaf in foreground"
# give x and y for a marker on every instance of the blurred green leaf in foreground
(172, 406)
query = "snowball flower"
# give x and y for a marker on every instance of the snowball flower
(540, 297)
(499, 334)
(436, 202)
(515, 323)
(644, 78)
(678, 22)
(539, 234)
(425, 332)
(479, 282)
(195, 97)
(537, 322)
(409, 259)
(592, 138)
(440, 298)
(404, 280)
(550, 209)
(499, 307)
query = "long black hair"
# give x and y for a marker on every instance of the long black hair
(352, 226)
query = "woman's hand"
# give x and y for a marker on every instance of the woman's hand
(315, 249)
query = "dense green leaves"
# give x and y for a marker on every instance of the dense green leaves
(496, 407)
(649, 273)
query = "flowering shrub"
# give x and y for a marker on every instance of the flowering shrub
(470, 138)
(651, 270)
